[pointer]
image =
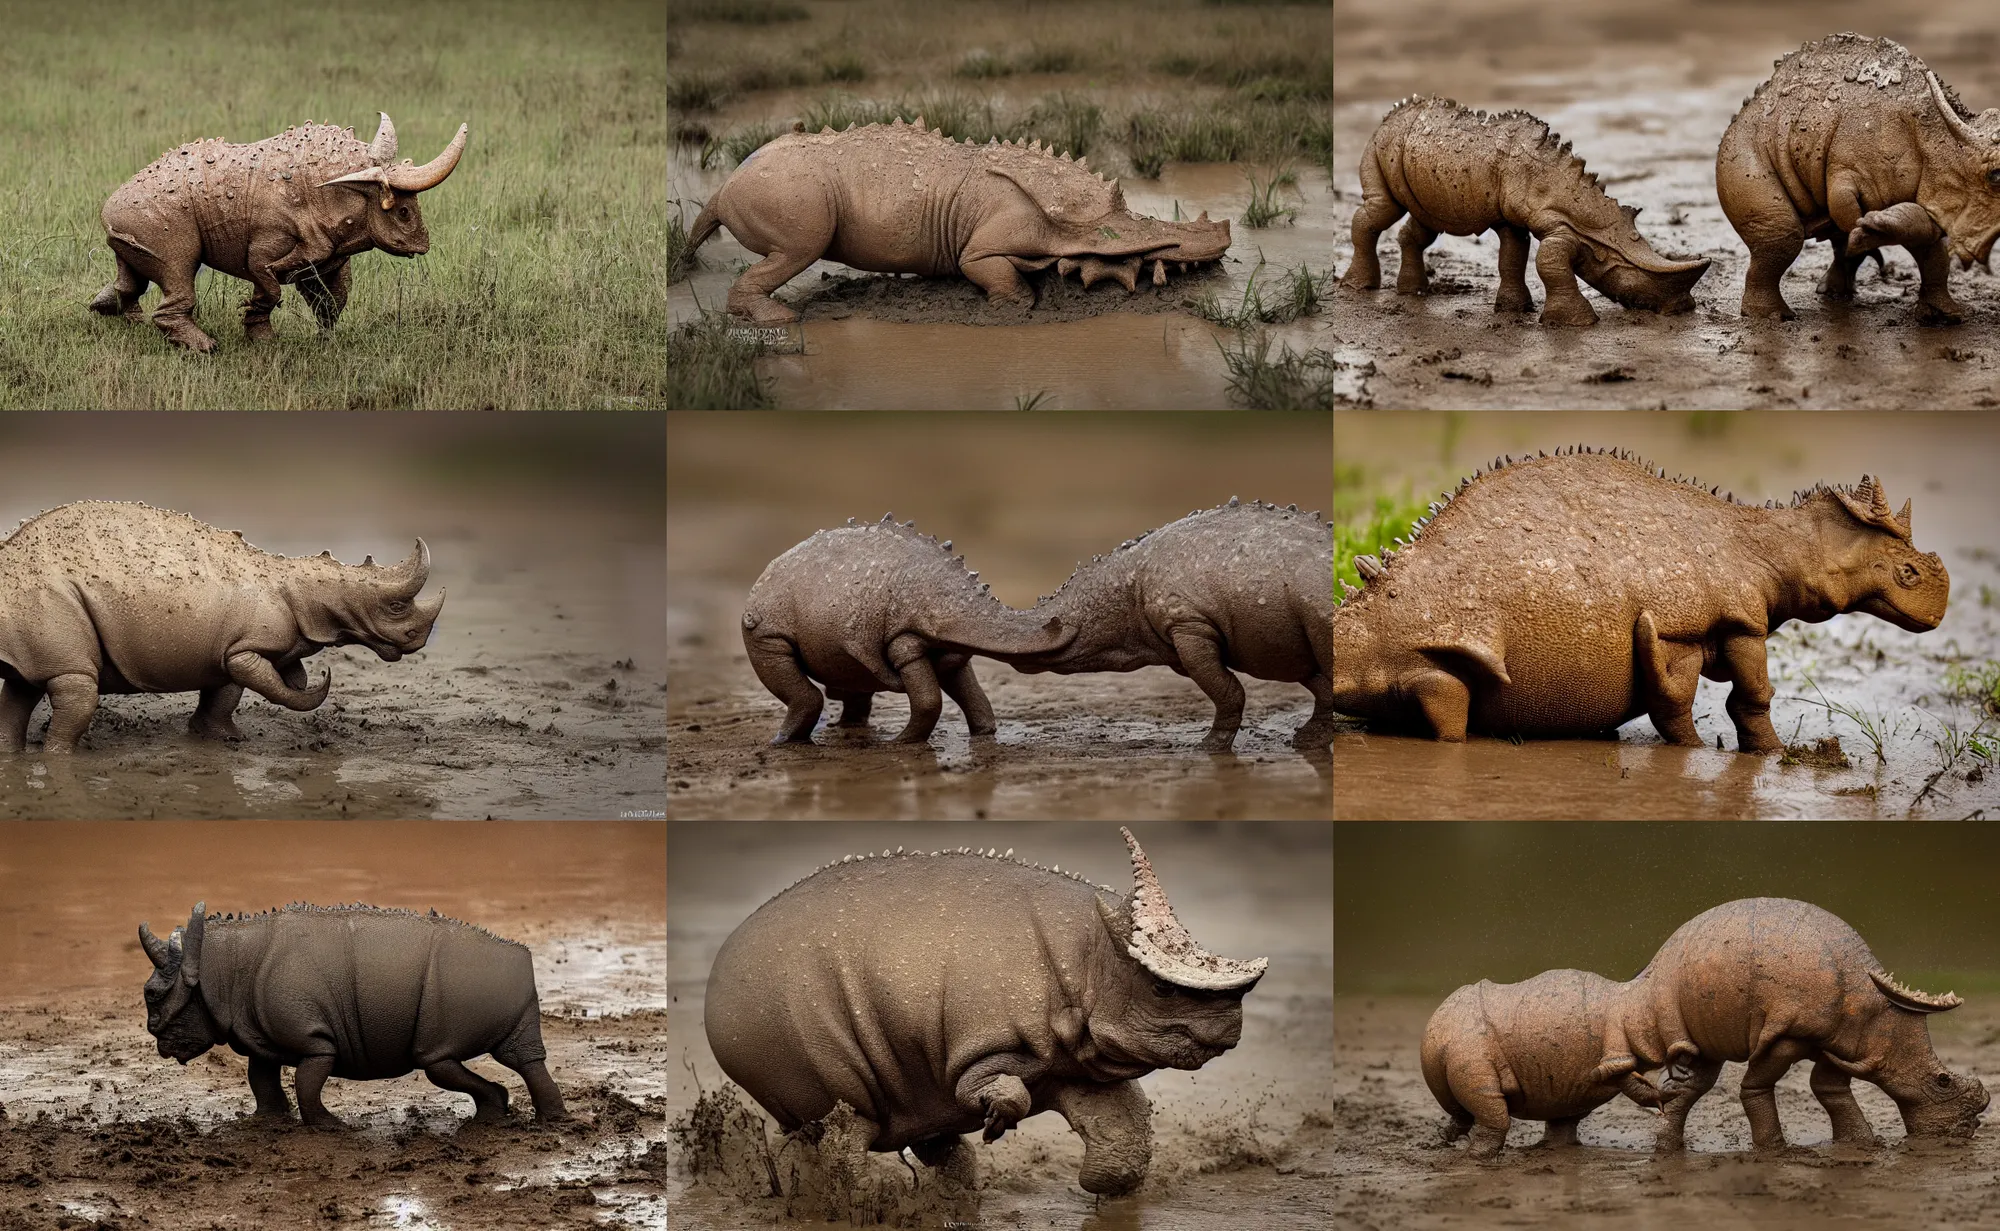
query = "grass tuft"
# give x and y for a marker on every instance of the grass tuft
(1267, 132)
(1302, 294)
(845, 66)
(713, 366)
(696, 92)
(731, 150)
(1291, 381)
(1263, 209)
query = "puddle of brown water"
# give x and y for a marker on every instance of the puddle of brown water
(1941, 461)
(1261, 889)
(1644, 95)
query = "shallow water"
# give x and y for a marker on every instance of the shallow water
(1896, 679)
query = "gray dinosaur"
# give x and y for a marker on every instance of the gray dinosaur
(100, 597)
(961, 991)
(349, 991)
(880, 608)
(1248, 586)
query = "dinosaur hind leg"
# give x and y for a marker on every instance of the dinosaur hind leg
(1667, 675)
(854, 706)
(120, 296)
(920, 681)
(1317, 732)
(962, 686)
(776, 663)
(1201, 658)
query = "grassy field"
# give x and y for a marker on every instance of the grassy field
(542, 288)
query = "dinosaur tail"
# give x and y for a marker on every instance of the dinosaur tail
(705, 224)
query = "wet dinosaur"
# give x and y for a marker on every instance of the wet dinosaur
(1248, 586)
(1569, 594)
(964, 991)
(881, 608)
(1767, 981)
(1855, 141)
(896, 199)
(1460, 172)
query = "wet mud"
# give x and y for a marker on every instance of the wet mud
(1244, 1141)
(1895, 681)
(1392, 1172)
(98, 1130)
(1644, 94)
(541, 692)
(1023, 499)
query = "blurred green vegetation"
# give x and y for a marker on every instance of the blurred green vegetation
(1427, 907)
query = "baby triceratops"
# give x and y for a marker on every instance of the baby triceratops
(881, 608)
(1770, 981)
(963, 991)
(99, 597)
(1461, 172)
(1567, 595)
(349, 991)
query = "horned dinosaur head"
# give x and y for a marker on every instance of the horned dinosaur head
(176, 1015)
(369, 604)
(1163, 946)
(1891, 579)
(1620, 263)
(1969, 207)
(396, 224)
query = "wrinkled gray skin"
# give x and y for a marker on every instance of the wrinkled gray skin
(100, 597)
(1243, 586)
(349, 991)
(288, 209)
(1765, 981)
(959, 992)
(880, 608)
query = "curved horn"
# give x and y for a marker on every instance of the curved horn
(1879, 506)
(191, 945)
(404, 178)
(382, 150)
(429, 611)
(1959, 128)
(156, 948)
(1871, 508)
(1910, 998)
(1903, 518)
(1162, 945)
(406, 579)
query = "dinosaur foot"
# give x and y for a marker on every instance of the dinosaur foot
(761, 310)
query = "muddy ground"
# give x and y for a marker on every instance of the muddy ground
(1391, 1174)
(541, 691)
(1896, 680)
(100, 1131)
(884, 342)
(1023, 498)
(1644, 93)
(1240, 1142)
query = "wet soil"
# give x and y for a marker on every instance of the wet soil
(1392, 1173)
(540, 693)
(1023, 498)
(1243, 1141)
(1893, 680)
(1644, 93)
(98, 1130)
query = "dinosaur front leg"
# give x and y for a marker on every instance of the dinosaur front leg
(1560, 1133)
(269, 1088)
(325, 289)
(1749, 701)
(1935, 306)
(1377, 214)
(950, 1156)
(1760, 1099)
(256, 672)
(1002, 283)
(1835, 1091)
(215, 718)
(1414, 238)
(1115, 1121)
(72, 704)
(1688, 1078)
(1201, 658)
(1556, 263)
(1444, 700)
(1514, 295)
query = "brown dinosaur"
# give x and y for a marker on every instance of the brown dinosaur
(881, 608)
(1460, 172)
(1766, 981)
(1567, 595)
(896, 199)
(1854, 141)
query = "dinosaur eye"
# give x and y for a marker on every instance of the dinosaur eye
(1907, 576)
(397, 605)
(1993, 178)
(1162, 989)
(1941, 1079)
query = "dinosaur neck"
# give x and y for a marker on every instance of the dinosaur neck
(1803, 578)
(1098, 602)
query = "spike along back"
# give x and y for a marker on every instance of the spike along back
(895, 198)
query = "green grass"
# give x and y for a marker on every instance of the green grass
(1365, 531)
(548, 244)
(712, 365)
(696, 91)
(1248, 131)
(1263, 209)
(1301, 293)
(1976, 685)
(728, 151)
(1292, 381)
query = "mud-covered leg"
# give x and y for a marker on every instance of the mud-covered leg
(1201, 658)
(1377, 214)
(1414, 238)
(324, 288)
(1444, 700)
(214, 718)
(267, 1083)
(1688, 1078)
(962, 686)
(1835, 1091)
(1002, 283)
(1455, 1125)
(1115, 1122)
(751, 296)
(1002, 1098)
(72, 702)
(906, 655)
(264, 299)
(542, 1090)
(1560, 1133)
(777, 666)
(1935, 306)
(1749, 703)
(1514, 295)
(18, 699)
(310, 1078)
(1760, 1099)
(950, 1156)
(1555, 261)
(1668, 675)
(1317, 731)
(120, 296)
(854, 706)
(1838, 284)
(489, 1097)
(174, 315)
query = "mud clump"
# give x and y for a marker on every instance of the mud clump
(1825, 754)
